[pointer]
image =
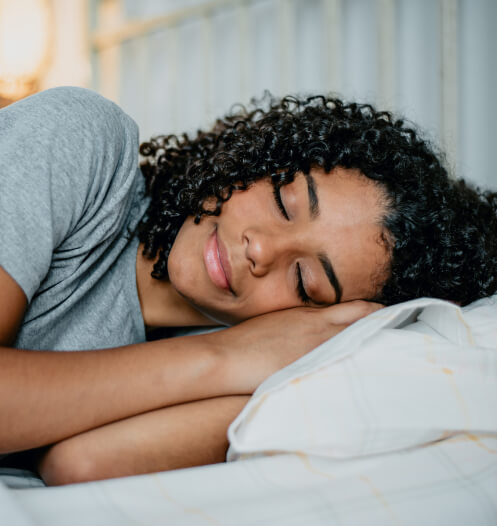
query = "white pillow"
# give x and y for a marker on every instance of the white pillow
(404, 376)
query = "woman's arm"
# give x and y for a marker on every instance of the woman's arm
(13, 306)
(176, 437)
(47, 396)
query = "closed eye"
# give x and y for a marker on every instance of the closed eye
(300, 287)
(279, 202)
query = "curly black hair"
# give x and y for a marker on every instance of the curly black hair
(443, 232)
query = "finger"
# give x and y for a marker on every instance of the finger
(374, 306)
(351, 311)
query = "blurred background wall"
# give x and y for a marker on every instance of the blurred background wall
(174, 65)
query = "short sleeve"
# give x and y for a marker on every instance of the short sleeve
(60, 151)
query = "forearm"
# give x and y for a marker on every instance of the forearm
(49, 396)
(181, 436)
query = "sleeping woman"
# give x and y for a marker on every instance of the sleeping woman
(283, 224)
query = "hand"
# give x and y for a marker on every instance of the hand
(256, 348)
(352, 311)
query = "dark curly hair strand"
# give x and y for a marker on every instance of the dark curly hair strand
(443, 233)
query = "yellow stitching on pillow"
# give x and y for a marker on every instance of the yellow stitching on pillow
(380, 497)
(194, 511)
(305, 412)
(256, 408)
(307, 464)
(478, 442)
(430, 356)
(471, 340)
(462, 404)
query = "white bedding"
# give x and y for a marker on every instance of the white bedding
(403, 377)
(450, 482)
(413, 442)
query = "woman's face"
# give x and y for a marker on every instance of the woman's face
(322, 247)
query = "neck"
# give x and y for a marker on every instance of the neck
(161, 304)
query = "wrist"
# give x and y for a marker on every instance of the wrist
(233, 366)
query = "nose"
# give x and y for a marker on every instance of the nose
(265, 250)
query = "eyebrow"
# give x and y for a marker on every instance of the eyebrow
(332, 277)
(323, 258)
(313, 196)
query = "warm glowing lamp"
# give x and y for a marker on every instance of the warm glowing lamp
(24, 45)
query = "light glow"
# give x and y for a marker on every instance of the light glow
(24, 44)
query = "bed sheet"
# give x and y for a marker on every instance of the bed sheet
(449, 482)
(446, 478)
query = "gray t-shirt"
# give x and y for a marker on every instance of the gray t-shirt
(70, 190)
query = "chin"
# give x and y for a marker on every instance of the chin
(189, 292)
(215, 315)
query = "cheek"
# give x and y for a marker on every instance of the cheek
(268, 296)
(179, 276)
(183, 261)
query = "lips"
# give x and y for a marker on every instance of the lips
(223, 257)
(216, 262)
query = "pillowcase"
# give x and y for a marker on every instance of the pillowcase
(404, 376)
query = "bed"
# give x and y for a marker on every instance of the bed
(393, 421)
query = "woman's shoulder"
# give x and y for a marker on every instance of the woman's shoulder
(68, 178)
(71, 109)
